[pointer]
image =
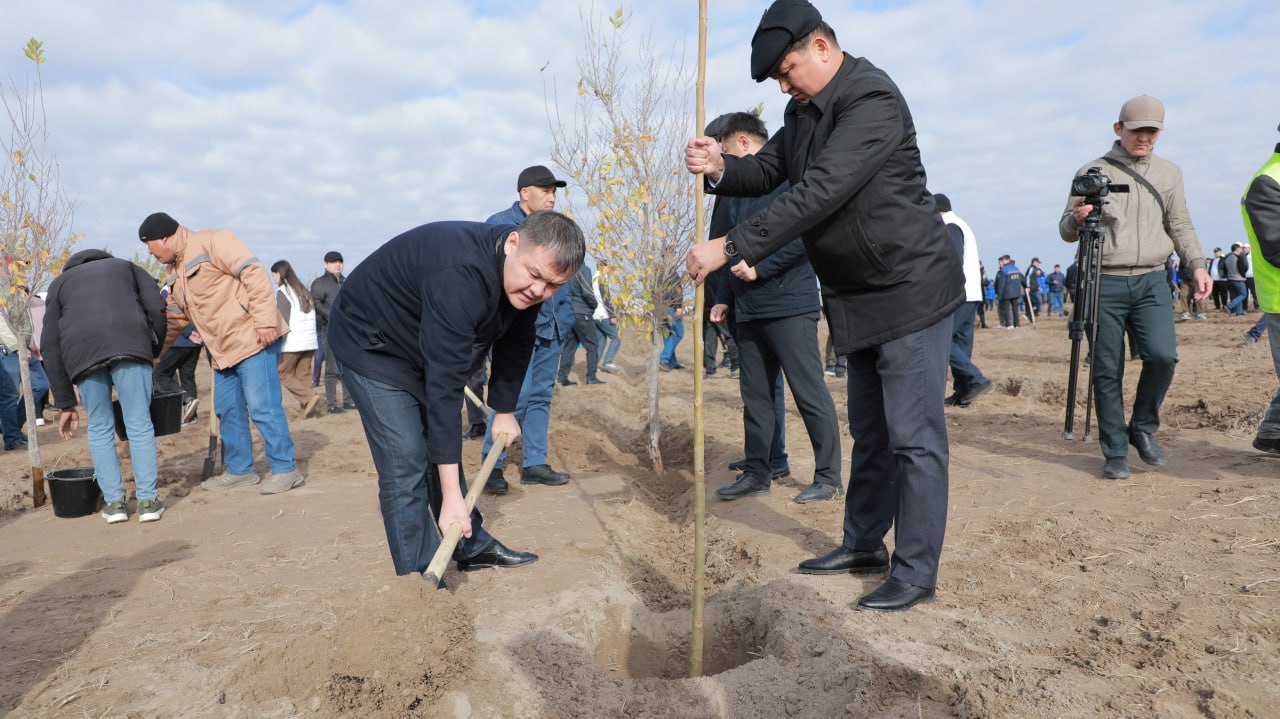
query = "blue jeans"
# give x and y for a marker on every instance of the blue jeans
(533, 408)
(252, 389)
(395, 425)
(9, 423)
(607, 336)
(132, 380)
(12, 365)
(1239, 293)
(1057, 302)
(965, 374)
(673, 332)
(1259, 327)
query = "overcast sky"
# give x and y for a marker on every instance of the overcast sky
(305, 125)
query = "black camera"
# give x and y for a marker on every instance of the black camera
(1095, 184)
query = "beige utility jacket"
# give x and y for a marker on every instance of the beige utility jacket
(223, 290)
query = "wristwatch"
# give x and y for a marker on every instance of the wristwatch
(730, 249)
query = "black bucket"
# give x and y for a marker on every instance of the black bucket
(166, 415)
(73, 492)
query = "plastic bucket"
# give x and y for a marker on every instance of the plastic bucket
(74, 492)
(166, 415)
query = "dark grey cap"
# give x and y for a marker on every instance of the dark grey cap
(783, 23)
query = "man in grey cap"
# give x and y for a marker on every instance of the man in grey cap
(1142, 226)
(891, 281)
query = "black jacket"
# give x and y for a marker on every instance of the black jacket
(411, 313)
(581, 296)
(858, 198)
(785, 285)
(99, 310)
(323, 291)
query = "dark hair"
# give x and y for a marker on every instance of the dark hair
(746, 123)
(560, 234)
(823, 30)
(290, 278)
(942, 202)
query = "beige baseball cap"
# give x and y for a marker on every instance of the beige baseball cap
(1142, 111)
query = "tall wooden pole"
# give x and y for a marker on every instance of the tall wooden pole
(699, 463)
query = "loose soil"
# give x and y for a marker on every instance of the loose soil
(1061, 594)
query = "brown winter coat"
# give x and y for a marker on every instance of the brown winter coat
(223, 290)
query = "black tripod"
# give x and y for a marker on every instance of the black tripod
(1084, 315)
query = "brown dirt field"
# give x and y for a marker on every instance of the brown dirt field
(1061, 595)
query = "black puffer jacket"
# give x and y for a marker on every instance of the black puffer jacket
(100, 309)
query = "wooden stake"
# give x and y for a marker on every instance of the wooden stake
(699, 446)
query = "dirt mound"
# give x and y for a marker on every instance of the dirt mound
(391, 654)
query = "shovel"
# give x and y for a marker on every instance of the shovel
(211, 461)
(440, 559)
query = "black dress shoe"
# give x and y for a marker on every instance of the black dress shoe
(335, 409)
(1265, 444)
(349, 404)
(497, 555)
(595, 380)
(1116, 468)
(974, 392)
(895, 595)
(843, 560)
(566, 382)
(818, 492)
(543, 474)
(739, 465)
(496, 483)
(746, 485)
(1148, 448)
(475, 431)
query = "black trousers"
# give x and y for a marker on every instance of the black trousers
(899, 476)
(712, 335)
(1009, 312)
(179, 360)
(583, 332)
(789, 343)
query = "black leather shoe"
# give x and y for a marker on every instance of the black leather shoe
(739, 465)
(497, 555)
(566, 382)
(335, 409)
(496, 483)
(895, 595)
(950, 401)
(746, 485)
(975, 392)
(818, 492)
(1149, 450)
(1116, 468)
(843, 560)
(1263, 444)
(595, 380)
(348, 404)
(475, 431)
(543, 474)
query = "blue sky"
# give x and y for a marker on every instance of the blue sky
(305, 126)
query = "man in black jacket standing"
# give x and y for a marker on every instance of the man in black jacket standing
(323, 291)
(582, 301)
(404, 328)
(776, 304)
(890, 280)
(104, 323)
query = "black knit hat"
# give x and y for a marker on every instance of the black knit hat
(942, 202)
(157, 226)
(783, 23)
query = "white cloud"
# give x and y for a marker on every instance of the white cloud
(308, 126)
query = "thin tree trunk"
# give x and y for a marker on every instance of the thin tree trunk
(699, 465)
(33, 440)
(655, 422)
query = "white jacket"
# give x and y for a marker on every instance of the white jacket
(972, 265)
(302, 326)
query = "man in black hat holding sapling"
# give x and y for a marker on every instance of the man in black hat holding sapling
(890, 282)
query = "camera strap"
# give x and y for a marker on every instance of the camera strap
(1164, 215)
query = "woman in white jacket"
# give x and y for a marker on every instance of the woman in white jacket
(299, 348)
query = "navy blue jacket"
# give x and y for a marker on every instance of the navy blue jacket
(785, 285)
(411, 313)
(1009, 282)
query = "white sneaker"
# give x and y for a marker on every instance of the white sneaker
(149, 510)
(115, 512)
(39, 421)
(189, 410)
(278, 483)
